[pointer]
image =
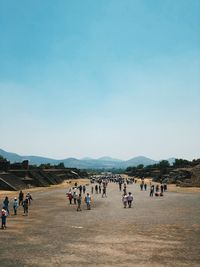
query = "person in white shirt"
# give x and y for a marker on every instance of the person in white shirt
(124, 199)
(129, 199)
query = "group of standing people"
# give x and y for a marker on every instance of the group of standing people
(157, 190)
(25, 202)
(76, 198)
(143, 185)
(101, 186)
(127, 198)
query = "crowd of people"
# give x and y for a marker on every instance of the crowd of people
(99, 187)
(75, 196)
(22, 200)
(78, 194)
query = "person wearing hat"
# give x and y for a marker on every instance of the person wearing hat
(15, 206)
(4, 215)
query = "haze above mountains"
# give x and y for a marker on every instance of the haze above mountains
(84, 163)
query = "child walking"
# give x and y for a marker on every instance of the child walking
(4, 215)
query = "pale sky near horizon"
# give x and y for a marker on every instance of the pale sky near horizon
(94, 78)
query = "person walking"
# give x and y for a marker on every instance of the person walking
(151, 191)
(29, 197)
(165, 187)
(21, 197)
(141, 186)
(129, 199)
(75, 197)
(6, 204)
(104, 192)
(120, 186)
(80, 189)
(161, 188)
(157, 188)
(15, 206)
(79, 200)
(99, 189)
(96, 189)
(25, 206)
(4, 215)
(88, 201)
(124, 200)
(84, 189)
(70, 196)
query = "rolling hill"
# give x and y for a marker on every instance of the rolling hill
(85, 163)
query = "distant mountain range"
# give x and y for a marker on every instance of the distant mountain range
(85, 163)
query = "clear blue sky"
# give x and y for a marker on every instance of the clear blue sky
(94, 78)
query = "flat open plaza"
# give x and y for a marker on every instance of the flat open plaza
(161, 231)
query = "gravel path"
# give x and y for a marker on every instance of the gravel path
(154, 232)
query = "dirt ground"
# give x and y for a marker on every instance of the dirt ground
(154, 232)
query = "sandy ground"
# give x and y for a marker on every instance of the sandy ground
(154, 232)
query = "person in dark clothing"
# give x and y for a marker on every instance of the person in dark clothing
(4, 215)
(165, 187)
(145, 187)
(161, 188)
(152, 191)
(141, 186)
(157, 188)
(120, 186)
(80, 189)
(99, 189)
(21, 197)
(84, 189)
(25, 206)
(6, 204)
(96, 189)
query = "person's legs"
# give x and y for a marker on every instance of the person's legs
(3, 226)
